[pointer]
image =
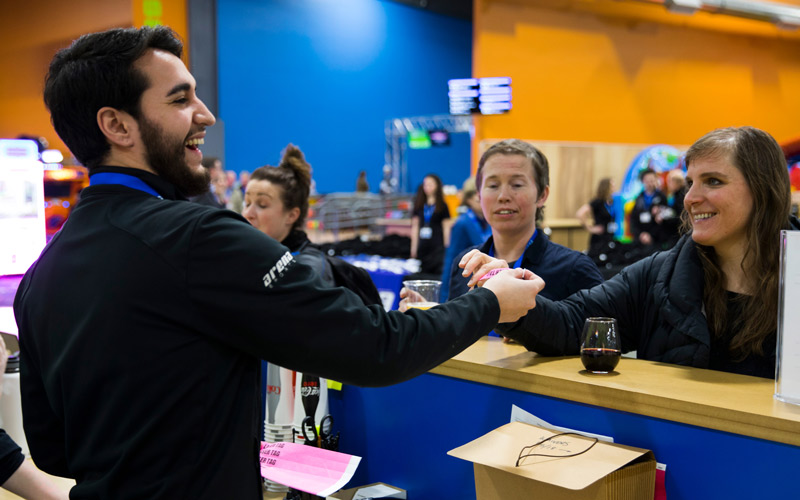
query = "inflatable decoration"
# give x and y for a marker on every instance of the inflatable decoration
(662, 159)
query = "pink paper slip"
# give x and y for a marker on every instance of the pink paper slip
(307, 468)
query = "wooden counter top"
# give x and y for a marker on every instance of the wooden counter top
(563, 223)
(706, 398)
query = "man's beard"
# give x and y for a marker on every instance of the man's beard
(168, 160)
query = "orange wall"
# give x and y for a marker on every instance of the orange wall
(31, 33)
(170, 13)
(622, 71)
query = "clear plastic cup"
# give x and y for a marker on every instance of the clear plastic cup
(423, 294)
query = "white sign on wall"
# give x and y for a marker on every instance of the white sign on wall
(787, 382)
(22, 219)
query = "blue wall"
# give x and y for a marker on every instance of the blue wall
(326, 74)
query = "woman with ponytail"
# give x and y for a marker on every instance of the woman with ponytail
(276, 203)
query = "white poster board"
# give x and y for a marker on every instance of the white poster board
(787, 382)
(22, 219)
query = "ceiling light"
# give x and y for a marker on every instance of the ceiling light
(687, 7)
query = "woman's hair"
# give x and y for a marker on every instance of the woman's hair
(676, 174)
(760, 159)
(362, 186)
(468, 190)
(603, 189)
(541, 168)
(421, 198)
(293, 175)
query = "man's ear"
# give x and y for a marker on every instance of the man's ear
(117, 126)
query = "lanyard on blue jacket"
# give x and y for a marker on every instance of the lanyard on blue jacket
(485, 231)
(519, 261)
(124, 180)
(427, 213)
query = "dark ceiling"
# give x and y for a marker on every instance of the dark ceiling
(461, 9)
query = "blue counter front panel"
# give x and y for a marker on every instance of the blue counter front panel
(404, 432)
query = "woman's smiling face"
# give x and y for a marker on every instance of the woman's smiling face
(719, 203)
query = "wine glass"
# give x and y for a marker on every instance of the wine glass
(600, 349)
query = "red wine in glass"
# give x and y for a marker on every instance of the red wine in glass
(600, 349)
(599, 359)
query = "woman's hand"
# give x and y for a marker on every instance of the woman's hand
(477, 264)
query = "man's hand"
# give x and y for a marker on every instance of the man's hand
(477, 264)
(516, 291)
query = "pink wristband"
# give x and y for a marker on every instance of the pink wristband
(493, 272)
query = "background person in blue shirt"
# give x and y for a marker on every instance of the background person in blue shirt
(644, 226)
(513, 181)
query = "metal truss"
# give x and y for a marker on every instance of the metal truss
(396, 131)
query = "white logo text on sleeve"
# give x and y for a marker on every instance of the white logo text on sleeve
(278, 270)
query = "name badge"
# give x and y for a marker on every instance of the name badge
(425, 233)
(645, 217)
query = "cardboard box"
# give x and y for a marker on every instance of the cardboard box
(605, 472)
(349, 493)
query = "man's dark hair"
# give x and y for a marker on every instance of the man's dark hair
(98, 70)
(645, 171)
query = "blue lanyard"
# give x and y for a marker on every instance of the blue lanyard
(124, 180)
(485, 231)
(648, 199)
(427, 213)
(610, 209)
(519, 261)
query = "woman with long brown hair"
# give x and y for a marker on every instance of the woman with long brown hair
(430, 225)
(597, 217)
(712, 300)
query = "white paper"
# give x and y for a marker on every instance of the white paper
(377, 491)
(520, 415)
(7, 322)
(787, 384)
